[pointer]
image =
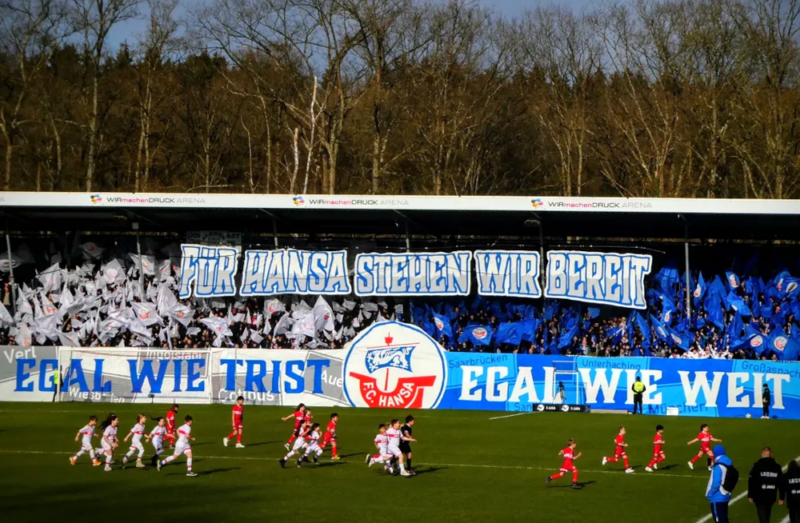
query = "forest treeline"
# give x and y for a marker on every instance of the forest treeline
(692, 98)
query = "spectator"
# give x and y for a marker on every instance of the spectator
(790, 491)
(766, 399)
(638, 389)
(763, 484)
(717, 496)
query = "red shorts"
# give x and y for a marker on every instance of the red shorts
(705, 450)
(568, 468)
(327, 438)
(657, 452)
(619, 451)
(238, 424)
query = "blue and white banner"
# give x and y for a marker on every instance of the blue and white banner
(508, 273)
(397, 365)
(208, 271)
(597, 277)
(290, 271)
(413, 274)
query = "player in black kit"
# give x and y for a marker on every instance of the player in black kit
(405, 446)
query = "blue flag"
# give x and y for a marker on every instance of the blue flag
(509, 332)
(667, 277)
(785, 347)
(732, 280)
(566, 338)
(442, 324)
(529, 327)
(737, 303)
(752, 339)
(714, 310)
(594, 312)
(644, 328)
(699, 291)
(661, 331)
(787, 285)
(477, 335)
(682, 340)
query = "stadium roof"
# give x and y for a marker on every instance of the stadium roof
(435, 215)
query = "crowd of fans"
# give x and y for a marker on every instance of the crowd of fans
(107, 304)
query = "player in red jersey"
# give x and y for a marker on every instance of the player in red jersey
(237, 419)
(298, 416)
(619, 451)
(330, 436)
(705, 438)
(171, 425)
(658, 449)
(568, 466)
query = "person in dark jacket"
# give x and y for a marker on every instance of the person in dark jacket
(790, 491)
(763, 484)
(766, 399)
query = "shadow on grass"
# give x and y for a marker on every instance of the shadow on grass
(261, 443)
(569, 485)
(428, 470)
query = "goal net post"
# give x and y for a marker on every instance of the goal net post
(146, 375)
(567, 384)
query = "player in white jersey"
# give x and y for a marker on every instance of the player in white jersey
(381, 443)
(182, 447)
(136, 443)
(299, 443)
(87, 432)
(109, 441)
(312, 445)
(394, 434)
(157, 436)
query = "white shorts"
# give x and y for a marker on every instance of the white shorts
(182, 448)
(106, 446)
(156, 443)
(394, 451)
(298, 443)
(313, 448)
(382, 450)
(137, 444)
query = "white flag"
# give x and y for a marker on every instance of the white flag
(193, 331)
(5, 318)
(181, 314)
(47, 306)
(113, 272)
(146, 313)
(284, 325)
(273, 306)
(217, 325)
(164, 269)
(92, 251)
(323, 315)
(165, 300)
(51, 278)
(304, 326)
(256, 337)
(69, 339)
(23, 337)
(349, 305)
(148, 264)
(370, 307)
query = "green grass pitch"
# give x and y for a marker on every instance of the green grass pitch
(470, 468)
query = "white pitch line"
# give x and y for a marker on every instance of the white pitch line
(465, 465)
(510, 415)
(740, 496)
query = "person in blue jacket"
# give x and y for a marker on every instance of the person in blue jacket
(716, 495)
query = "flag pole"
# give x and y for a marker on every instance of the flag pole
(139, 254)
(688, 267)
(11, 282)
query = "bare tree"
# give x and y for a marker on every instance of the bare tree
(95, 19)
(30, 30)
